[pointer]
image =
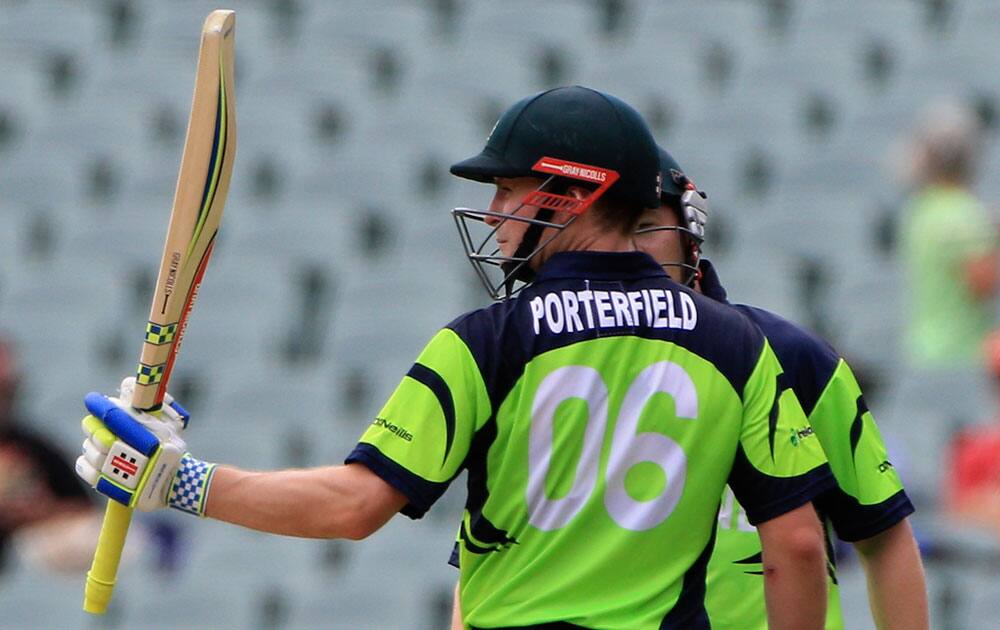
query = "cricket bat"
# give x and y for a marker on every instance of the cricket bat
(206, 167)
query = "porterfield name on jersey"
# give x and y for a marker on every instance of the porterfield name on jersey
(575, 311)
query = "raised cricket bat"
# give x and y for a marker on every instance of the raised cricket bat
(202, 184)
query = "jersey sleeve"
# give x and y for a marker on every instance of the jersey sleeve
(869, 496)
(779, 462)
(418, 442)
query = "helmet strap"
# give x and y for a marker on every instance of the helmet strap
(520, 270)
(693, 254)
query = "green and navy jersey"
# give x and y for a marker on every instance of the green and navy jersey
(599, 414)
(868, 498)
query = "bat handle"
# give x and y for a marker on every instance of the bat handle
(101, 577)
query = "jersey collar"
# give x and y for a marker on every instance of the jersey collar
(600, 266)
(710, 284)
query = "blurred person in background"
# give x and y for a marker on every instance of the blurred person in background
(44, 509)
(948, 243)
(973, 495)
(948, 250)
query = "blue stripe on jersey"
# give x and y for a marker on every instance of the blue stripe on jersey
(853, 521)
(784, 497)
(808, 360)
(858, 425)
(455, 559)
(433, 381)
(689, 609)
(482, 528)
(809, 363)
(780, 387)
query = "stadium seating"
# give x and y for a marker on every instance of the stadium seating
(337, 258)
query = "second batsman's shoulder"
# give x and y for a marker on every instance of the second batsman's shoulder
(724, 318)
(807, 359)
(788, 338)
(725, 337)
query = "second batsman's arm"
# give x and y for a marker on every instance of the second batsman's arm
(794, 560)
(896, 589)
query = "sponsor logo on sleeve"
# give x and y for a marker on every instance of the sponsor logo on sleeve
(395, 429)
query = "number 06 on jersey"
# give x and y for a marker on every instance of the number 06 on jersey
(202, 184)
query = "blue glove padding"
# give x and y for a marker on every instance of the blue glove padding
(119, 422)
(129, 455)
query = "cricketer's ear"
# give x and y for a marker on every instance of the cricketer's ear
(576, 192)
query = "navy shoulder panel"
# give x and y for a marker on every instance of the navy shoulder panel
(493, 336)
(505, 336)
(807, 359)
(727, 339)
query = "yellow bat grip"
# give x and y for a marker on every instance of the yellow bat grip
(101, 577)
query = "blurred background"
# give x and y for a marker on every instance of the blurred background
(830, 136)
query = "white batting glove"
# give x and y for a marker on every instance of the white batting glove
(138, 458)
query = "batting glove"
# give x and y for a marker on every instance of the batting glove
(138, 458)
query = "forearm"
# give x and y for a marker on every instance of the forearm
(329, 502)
(794, 561)
(896, 588)
(456, 612)
(795, 593)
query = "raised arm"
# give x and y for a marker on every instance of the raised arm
(141, 461)
(794, 559)
(403, 462)
(896, 589)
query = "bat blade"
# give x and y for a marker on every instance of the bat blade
(202, 185)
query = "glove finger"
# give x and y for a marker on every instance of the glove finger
(93, 454)
(95, 429)
(97, 404)
(127, 390)
(181, 411)
(87, 472)
(90, 425)
(121, 423)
